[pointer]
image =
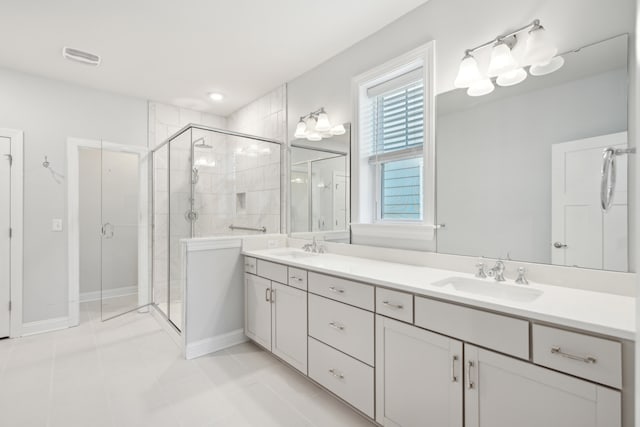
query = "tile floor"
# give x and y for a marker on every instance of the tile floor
(128, 372)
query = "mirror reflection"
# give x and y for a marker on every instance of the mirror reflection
(319, 176)
(519, 170)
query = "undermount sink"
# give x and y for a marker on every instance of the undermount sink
(503, 291)
(293, 253)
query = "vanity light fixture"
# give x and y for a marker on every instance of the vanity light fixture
(539, 57)
(316, 125)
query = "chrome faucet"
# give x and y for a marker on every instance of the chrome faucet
(497, 272)
(314, 247)
(480, 273)
(521, 279)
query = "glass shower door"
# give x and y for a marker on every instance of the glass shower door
(123, 281)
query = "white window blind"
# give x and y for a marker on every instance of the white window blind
(393, 115)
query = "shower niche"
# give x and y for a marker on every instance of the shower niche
(208, 182)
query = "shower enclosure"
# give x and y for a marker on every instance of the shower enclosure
(208, 182)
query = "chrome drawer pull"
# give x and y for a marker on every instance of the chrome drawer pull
(266, 294)
(471, 384)
(336, 326)
(336, 290)
(392, 305)
(299, 279)
(559, 352)
(336, 373)
(454, 378)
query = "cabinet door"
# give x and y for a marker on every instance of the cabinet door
(289, 325)
(505, 392)
(257, 310)
(418, 376)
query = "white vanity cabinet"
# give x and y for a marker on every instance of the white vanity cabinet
(408, 360)
(289, 325)
(276, 317)
(257, 325)
(501, 391)
(419, 376)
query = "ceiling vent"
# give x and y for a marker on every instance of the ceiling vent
(81, 56)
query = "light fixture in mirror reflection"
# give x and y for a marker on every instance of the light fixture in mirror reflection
(519, 171)
(319, 188)
(316, 126)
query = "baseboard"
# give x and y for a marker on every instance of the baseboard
(42, 326)
(217, 343)
(108, 293)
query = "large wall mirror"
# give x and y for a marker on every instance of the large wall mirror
(319, 188)
(519, 170)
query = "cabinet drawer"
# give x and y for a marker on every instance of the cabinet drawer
(348, 378)
(250, 265)
(297, 278)
(584, 356)
(342, 290)
(398, 305)
(349, 329)
(272, 271)
(501, 333)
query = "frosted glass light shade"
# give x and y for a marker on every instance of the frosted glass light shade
(301, 130)
(540, 48)
(512, 77)
(323, 124)
(502, 60)
(554, 65)
(467, 73)
(314, 136)
(338, 130)
(481, 87)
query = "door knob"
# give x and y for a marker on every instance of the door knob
(559, 245)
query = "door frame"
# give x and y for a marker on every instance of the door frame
(17, 232)
(74, 145)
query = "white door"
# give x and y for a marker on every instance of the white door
(289, 325)
(418, 376)
(504, 392)
(581, 234)
(257, 311)
(339, 201)
(5, 239)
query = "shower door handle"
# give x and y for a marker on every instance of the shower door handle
(107, 230)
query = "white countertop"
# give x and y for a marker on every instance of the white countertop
(596, 312)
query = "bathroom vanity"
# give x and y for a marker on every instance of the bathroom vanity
(410, 345)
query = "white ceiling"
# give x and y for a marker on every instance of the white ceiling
(177, 51)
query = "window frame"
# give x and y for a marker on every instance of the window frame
(366, 183)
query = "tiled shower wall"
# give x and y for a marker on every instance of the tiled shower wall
(164, 121)
(265, 117)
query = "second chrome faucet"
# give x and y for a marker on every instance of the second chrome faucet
(497, 272)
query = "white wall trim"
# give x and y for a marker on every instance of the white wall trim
(109, 293)
(47, 325)
(206, 244)
(17, 213)
(395, 231)
(74, 145)
(361, 203)
(213, 344)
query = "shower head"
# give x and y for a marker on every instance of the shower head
(200, 143)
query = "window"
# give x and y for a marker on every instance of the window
(394, 169)
(398, 137)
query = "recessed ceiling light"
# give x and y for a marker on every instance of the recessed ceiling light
(216, 96)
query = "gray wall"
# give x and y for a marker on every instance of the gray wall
(494, 163)
(49, 112)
